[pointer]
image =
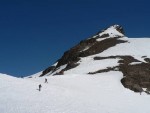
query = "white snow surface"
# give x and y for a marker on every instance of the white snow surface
(72, 93)
(111, 31)
(88, 64)
(136, 47)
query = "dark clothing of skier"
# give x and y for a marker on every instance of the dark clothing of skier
(40, 86)
(46, 80)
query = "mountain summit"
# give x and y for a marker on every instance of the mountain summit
(108, 50)
(112, 31)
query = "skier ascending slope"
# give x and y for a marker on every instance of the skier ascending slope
(40, 86)
(46, 80)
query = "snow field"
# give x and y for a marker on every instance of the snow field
(72, 93)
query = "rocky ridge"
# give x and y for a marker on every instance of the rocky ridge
(136, 72)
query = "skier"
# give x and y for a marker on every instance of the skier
(46, 80)
(40, 86)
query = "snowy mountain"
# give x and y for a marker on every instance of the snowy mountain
(108, 50)
(99, 75)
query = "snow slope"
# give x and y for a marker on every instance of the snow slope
(136, 47)
(72, 93)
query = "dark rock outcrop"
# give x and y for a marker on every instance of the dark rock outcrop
(105, 70)
(136, 76)
(105, 35)
(73, 54)
(71, 65)
(119, 28)
(101, 46)
(49, 69)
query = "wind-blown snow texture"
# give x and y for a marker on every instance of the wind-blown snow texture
(76, 91)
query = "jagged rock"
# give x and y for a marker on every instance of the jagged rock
(73, 54)
(87, 47)
(71, 65)
(101, 46)
(136, 74)
(94, 47)
(119, 28)
(51, 68)
(105, 35)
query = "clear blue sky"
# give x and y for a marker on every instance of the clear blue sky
(35, 33)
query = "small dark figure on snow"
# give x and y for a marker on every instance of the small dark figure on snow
(40, 86)
(46, 80)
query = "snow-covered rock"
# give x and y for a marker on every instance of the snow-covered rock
(119, 53)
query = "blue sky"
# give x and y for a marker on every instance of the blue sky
(35, 33)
